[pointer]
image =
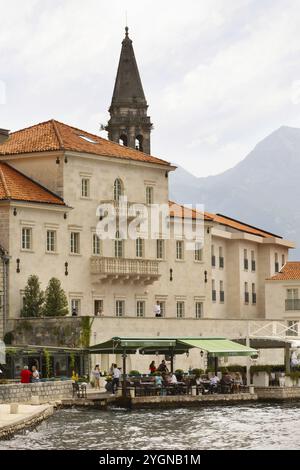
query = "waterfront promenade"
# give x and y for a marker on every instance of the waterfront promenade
(23, 417)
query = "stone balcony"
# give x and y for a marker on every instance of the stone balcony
(125, 270)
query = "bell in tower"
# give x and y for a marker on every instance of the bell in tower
(129, 124)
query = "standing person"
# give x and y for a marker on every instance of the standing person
(25, 375)
(96, 375)
(163, 367)
(157, 309)
(152, 367)
(116, 379)
(35, 375)
(75, 377)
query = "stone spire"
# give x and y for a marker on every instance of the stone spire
(129, 123)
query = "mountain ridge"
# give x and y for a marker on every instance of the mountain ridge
(261, 190)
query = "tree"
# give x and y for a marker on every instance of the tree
(33, 298)
(56, 303)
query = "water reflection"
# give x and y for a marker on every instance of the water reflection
(217, 427)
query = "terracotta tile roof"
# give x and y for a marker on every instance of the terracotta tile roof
(290, 271)
(177, 211)
(54, 135)
(241, 226)
(15, 186)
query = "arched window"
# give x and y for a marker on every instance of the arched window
(139, 142)
(119, 247)
(123, 140)
(118, 189)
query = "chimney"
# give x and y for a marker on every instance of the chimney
(4, 135)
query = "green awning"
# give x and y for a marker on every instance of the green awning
(118, 345)
(171, 345)
(219, 346)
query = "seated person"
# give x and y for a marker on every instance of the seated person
(213, 383)
(237, 382)
(173, 379)
(158, 380)
(226, 381)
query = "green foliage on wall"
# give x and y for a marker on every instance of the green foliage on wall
(47, 359)
(72, 361)
(86, 328)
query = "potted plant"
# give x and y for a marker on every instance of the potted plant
(179, 374)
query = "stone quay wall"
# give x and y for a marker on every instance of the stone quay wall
(46, 391)
(188, 400)
(25, 422)
(277, 393)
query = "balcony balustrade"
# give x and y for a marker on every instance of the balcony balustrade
(125, 269)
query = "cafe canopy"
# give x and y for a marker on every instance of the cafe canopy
(215, 347)
(170, 346)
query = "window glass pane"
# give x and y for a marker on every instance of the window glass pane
(149, 195)
(75, 248)
(85, 187)
(96, 244)
(140, 308)
(51, 240)
(98, 307)
(26, 238)
(180, 309)
(198, 309)
(139, 244)
(117, 189)
(120, 308)
(160, 249)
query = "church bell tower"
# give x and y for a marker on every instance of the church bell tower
(129, 123)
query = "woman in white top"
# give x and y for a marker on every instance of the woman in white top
(35, 374)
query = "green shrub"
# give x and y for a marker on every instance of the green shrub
(267, 368)
(294, 375)
(134, 372)
(197, 372)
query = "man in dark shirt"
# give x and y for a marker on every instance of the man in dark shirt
(25, 375)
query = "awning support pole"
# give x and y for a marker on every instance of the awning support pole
(248, 358)
(216, 364)
(124, 375)
(287, 360)
(172, 361)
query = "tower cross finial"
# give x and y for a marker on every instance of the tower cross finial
(126, 24)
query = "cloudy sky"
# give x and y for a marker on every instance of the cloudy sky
(219, 75)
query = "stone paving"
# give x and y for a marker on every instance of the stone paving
(27, 416)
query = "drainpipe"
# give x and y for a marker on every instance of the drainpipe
(287, 360)
(5, 261)
(124, 375)
(248, 358)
